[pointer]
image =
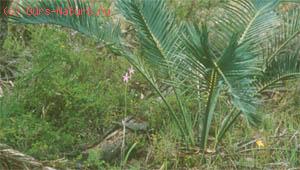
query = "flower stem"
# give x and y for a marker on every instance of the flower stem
(125, 100)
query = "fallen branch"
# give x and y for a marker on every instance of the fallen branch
(14, 159)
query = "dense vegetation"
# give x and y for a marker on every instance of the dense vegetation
(215, 82)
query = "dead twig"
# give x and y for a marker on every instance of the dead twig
(18, 159)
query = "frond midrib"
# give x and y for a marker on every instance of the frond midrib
(153, 37)
(249, 25)
(261, 89)
(282, 46)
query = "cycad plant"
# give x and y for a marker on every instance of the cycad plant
(243, 49)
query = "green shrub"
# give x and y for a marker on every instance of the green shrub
(67, 97)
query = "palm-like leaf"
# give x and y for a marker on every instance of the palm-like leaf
(158, 36)
(197, 61)
(284, 36)
(88, 23)
(236, 66)
(251, 18)
(283, 68)
(155, 27)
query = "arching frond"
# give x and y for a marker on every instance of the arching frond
(156, 29)
(197, 61)
(283, 68)
(159, 40)
(285, 35)
(251, 18)
(236, 67)
(74, 14)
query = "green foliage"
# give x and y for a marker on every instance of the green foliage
(226, 61)
(93, 160)
(67, 98)
(198, 10)
(207, 76)
(218, 65)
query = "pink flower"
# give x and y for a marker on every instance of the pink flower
(126, 78)
(131, 71)
(128, 74)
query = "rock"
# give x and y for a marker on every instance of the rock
(109, 149)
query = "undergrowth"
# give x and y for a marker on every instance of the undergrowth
(68, 91)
